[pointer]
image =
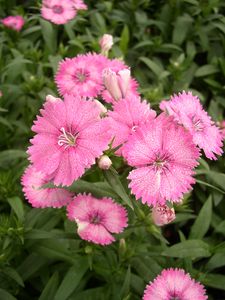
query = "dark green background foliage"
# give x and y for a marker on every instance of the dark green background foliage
(171, 46)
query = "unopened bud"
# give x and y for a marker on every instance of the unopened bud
(106, 43)
(123, 81)
(102, 108)
(162, 215)
(1, 94)
(51, 98)
(117, 84)
(122, 247)
(111, 84)
(104, 162)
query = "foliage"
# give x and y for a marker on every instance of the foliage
(170, 46)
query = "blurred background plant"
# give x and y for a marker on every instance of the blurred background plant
(170, 46)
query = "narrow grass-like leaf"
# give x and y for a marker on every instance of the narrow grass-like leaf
(202, 223)
(189, 248)
(50, 288)
(72, 279)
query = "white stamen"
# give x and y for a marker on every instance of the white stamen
(67, 139)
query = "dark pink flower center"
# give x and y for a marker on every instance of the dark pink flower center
(95, 218)
(81, 76)
(67, 139)
(160, 163)
(57, 9)
(175, 298)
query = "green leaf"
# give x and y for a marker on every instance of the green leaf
(12, 273)
(189, 248)
(181, 27)
(124, 39)
(221, 227)
(153, 66)
(50, 288)
(9, 155)
(114, 181)
(49, 34)
(126, 284)
(17, 206)
(202, 223)
(216, 281)
(4, 295)
(31, 265)
(72, 279)
(209, 185)
(98, 189)
(216, 261)
(206, 70)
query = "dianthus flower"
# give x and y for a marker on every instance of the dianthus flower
(81, 75)
(13, 22)
(127, 116)
(97, 219)
(116, 66)
(70, 136)
(33, 182)
(188, 111)
(162, 215)
(164, 156)
(174, 284)
(79, 5)
(58, 11)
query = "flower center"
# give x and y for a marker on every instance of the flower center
(197, 123)
(95, 218)
(160, 162)
(175, 298)
(81, 76)
(57, 9)
(67, 139)
(134, 128)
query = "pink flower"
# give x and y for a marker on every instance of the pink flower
(118, 82)
(188, 111)
(81, 75)
(127, 116)
(13, 22)
(174, 284)
(32, 182)
(104, 162)
(58, 11)
(162, 215)
(70, 136)
(164, 156)
(106, 43)
(79, 5)
(97, 218)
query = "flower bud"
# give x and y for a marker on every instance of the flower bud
(106, 43)
(1, 94)
(104, 162)
(123, 81)
(111, 84)
(51, 98)
(102, 108)
(162, 215)
(117, 84)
